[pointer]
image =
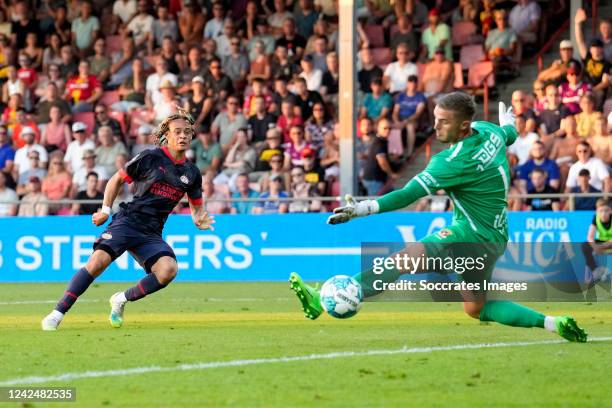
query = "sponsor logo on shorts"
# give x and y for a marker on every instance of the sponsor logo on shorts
(184, 179)
(106, 235)
(443, 233)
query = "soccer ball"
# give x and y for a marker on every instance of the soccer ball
(341, 296)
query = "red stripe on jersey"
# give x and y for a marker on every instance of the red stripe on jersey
(141, 289)
(195, 201)
(72, 295)
(165, 150)
(125, 176)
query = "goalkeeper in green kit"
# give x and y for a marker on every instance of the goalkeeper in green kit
(475, 174)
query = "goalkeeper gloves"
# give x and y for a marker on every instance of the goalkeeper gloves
(352, 209)
(506, 116)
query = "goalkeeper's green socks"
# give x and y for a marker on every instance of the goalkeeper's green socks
(511, 314)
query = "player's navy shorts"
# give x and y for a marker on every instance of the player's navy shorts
(121, 236)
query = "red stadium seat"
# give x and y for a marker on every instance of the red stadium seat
(458, 82)
(381, 56)
(139, 117)
(109, 97)
(470, 54)
(462, 31)
(375, 34)
(395, 142)
(88, 118)
(119, 117)
(113, 43)
(478, 72)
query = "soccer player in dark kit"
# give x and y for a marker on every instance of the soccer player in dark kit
(161, 177)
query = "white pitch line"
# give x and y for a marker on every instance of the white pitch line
(39, 302)
(241, 363)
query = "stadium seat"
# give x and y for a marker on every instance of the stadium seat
(113, 44)
(395, 142)
(139, 117)
(470, 54)
(462, 31)
(109, 97)
(458, 81)
(376, 35)
(119, 117)
(479, 72)
(381, 56)
(88, 118)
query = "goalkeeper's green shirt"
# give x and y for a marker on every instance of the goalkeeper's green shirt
(475, 174)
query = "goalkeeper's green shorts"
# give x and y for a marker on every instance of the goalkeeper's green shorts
(472, 257)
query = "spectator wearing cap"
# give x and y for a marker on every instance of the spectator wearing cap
(52, 98)
(558, 69)
(501, 45)
(76, 148)
(538, 181)
(407, 113)
(22, 160)
(405, 35)
(585, 120)
(145, 140)
(83, 90)
(218, 84)
(297, 144)
(227, 123)
(191, 23)
(600, 175)
(24, 123)
(207, 153)
(141, 25)
(261, 121)
(550, 117)
(236, 64)
(7, 194)
(291, 40)
(163, 27)
(597, 68)
(397, 73)
(153, 86)
(199, 105)
(313, 171)
(271, 204)
(538, 160)
(436, 35)
(168, 104)
(109, 148)
(7, 153)
(133, 89)
(243, 190)
(584, 186)
(33, 170)
(278, 17)
(288, 118)
(32, 204)
(572, 90)
(214, 26)
(305, 98)
(90, 192)
(524, 19)
(377, 103)
(377, 169)
(79, 178)
(519, 151)
(85, 29)
(369, 71)
(318, 125)
(260, 67)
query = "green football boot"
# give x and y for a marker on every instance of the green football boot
(569, 330)
(309, 296)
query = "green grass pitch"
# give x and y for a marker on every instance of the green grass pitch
(247, 327)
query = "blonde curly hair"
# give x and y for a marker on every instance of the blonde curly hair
(161, 131)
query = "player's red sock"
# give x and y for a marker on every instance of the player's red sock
(145, 286)
(77, 286)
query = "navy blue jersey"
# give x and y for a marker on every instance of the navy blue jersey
(160, 183)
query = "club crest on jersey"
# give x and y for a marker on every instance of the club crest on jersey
(443, 233)
(184, 179)
(106, 235)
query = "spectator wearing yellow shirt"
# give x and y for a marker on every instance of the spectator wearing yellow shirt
(585, 120)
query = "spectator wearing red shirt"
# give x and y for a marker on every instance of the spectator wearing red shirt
(83, 90)
(572, 90)
(24, 122)
(257, 86)
(29, 77)
(288, 119)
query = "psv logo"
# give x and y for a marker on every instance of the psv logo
(184, 179)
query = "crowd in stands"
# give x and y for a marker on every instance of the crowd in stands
(84, 83)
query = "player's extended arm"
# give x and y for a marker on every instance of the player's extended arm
(389, 202)
(110, 194)
(200, 217)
